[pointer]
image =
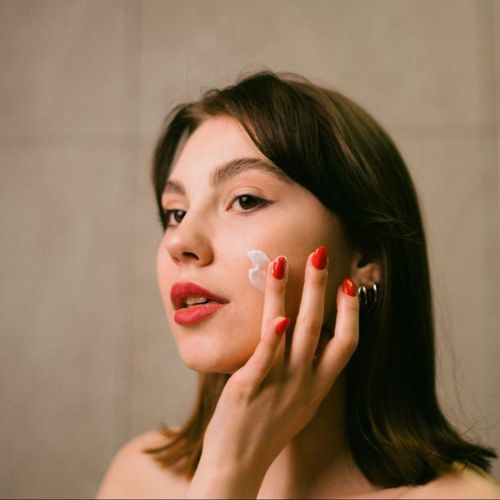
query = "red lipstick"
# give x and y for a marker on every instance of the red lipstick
(193, 303)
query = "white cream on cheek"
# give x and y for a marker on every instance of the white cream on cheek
(257, 273)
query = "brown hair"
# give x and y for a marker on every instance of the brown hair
(331, 146)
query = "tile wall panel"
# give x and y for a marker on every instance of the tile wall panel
(66, 299)
(62, 67)
(411, 62)
(493, 354)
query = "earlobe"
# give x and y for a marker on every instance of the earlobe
(365, 270)
(366, 273)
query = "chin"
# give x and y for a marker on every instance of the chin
(214, 359)
(204, 366)
(217, 345)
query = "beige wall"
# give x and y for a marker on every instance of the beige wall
(87, 360)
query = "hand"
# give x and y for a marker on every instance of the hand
(274, 396)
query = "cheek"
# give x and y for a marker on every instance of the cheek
(221, 346)
(227, 342)
(294, 291)
(295, 284)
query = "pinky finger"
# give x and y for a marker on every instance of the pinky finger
(340, 348)
(260, 363)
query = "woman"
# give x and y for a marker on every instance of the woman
(294, 274)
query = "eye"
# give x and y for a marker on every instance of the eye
(248, 202)
(172, 217)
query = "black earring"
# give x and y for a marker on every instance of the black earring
(367, 297)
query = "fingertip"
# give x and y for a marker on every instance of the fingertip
(282, 325)
(348, 296)
(278, 268)
(349, 288)
(319, 258)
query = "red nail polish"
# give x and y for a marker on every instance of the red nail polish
(279, 267)
(282, 326)
(319, 258)
(348, 287)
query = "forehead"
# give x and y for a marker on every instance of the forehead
(215, 141)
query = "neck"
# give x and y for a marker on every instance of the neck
(318, 460)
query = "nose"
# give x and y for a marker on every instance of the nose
(189, 242)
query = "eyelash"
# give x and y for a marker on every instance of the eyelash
(261, 202)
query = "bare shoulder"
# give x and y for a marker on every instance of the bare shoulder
(135, 474)
(461, 483)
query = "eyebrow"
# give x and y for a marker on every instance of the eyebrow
(229, 170)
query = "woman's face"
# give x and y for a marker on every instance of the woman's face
(208, 240)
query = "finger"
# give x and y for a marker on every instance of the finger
(310, 318)
(274, 300)
(260, 363)
(274, 293)
(340, 348)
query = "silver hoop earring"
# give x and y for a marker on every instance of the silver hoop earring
(367, 297)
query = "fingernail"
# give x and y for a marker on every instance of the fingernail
(282, 326)
(348, 287)
(279, 268)
(319, 258)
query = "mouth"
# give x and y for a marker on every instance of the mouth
(186, 295)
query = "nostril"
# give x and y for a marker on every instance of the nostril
(190, 255)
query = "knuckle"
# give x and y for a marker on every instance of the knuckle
(348, 343)
(269, 341)
(309, 323)
(318, 278)
(352, 306)
(241, 385)
(275, 286)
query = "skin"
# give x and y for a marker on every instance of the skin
(278, 428)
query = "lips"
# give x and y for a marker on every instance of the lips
(181, 290)
(184, 291)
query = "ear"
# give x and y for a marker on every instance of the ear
(365, 270)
